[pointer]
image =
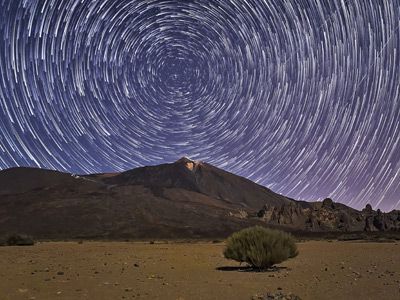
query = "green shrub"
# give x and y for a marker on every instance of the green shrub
(260, 247)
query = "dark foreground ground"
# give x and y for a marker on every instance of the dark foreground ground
(126, 270)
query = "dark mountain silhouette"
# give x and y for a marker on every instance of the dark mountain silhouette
(177, 200)
(201, 178)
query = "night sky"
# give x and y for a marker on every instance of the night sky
(302, 96)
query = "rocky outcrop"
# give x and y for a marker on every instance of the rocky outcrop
(329, 216)
(379, 221)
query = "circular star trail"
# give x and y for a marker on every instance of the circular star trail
(302, 96)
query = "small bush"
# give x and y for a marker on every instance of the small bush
(19, 240)
(260, 247)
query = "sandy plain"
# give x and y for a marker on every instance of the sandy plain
(195, 270)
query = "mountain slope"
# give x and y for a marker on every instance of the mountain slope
(21, 180)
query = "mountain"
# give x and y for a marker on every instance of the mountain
(184, 199)
(202, 178)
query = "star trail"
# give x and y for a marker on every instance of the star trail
(302, 96)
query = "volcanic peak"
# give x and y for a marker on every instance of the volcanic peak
(189, 163)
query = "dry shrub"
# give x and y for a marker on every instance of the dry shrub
(260, 247)
(19, 240)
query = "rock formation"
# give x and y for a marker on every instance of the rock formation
(329, 216)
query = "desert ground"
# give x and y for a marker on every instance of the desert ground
(195, 270)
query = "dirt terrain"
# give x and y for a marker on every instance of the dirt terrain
(140, 270)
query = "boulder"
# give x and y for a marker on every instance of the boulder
(328, 203)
